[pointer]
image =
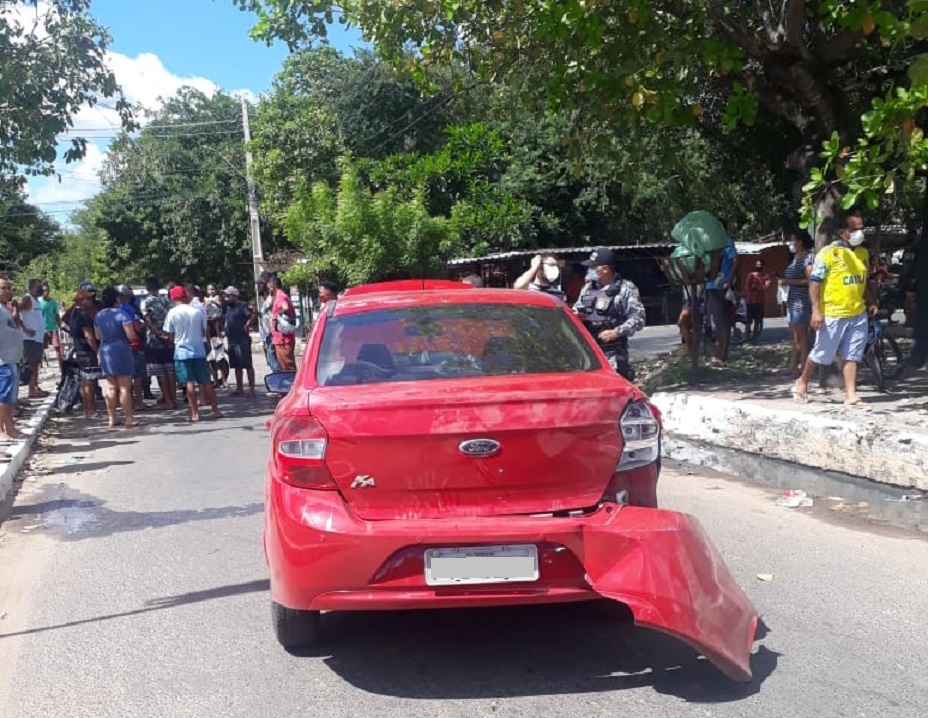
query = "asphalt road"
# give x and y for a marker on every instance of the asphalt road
(133, 584)
(654, 341)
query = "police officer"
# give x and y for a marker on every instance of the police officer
(611, 309)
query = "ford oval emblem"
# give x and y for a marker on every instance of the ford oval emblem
(479, 447)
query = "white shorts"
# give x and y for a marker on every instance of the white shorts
(846, 337)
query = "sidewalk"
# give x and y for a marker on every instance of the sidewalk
(30, 424)
(885, 441)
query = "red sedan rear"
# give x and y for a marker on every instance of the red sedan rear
(459, 447)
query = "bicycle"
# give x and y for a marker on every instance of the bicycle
(882, 357)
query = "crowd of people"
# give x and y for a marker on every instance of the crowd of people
(189, 340)
(185, 339)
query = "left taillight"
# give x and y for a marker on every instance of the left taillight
(641, 437)
(299, 453)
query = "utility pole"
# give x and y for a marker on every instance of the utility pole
(256, 250)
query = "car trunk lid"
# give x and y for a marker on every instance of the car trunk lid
(409, 450)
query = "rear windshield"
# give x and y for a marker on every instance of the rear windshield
(448, 341)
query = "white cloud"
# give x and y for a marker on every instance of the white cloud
(246, 93)
(78, 182)
(144, 81)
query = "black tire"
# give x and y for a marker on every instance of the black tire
(295, 629)
(893, 361)
(875, 365)
(68, 392)
(739, 333)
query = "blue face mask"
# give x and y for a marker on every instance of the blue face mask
(590, 274)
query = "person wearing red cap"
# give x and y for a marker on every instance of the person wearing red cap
(186, 327)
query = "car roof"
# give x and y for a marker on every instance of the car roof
(363, 302)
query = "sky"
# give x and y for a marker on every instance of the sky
(157, 47)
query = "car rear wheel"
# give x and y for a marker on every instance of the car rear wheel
(295, 629)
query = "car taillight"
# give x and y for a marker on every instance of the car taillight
(641, 437)
(299, 452)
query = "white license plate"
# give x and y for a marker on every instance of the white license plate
(481, 564)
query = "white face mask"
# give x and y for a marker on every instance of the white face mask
(551, 273)
(857, 238)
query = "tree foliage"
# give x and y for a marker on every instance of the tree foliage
(360, 236)
(51, 63)
(324, 104)
(78, 257)
(25, 231)
(818, 65)
(174, 198)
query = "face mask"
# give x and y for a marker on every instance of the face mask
(590, 274)
(551, 273)
(857, 238)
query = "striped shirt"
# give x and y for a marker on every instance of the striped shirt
(798, 297)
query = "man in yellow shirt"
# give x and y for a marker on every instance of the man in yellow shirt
(841, 297)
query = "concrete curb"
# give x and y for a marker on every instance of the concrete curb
(863, 446)
(21, 450)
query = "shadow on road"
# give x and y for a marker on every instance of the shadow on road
(159, 604)
(77, 516)
(525, 651)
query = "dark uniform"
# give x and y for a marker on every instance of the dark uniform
(615, 306)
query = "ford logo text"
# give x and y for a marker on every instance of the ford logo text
(479, 447)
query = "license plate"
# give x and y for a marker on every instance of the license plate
(481, 564)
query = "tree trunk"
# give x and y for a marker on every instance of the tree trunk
(827, 207)
(920, 350)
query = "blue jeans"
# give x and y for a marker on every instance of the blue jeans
(270, 355)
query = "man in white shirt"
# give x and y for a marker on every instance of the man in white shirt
(11, 351)
(33, 322)
(186, 327)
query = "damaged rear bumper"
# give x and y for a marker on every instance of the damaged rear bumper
(659, 563)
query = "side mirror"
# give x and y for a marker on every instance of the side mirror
(280, 382)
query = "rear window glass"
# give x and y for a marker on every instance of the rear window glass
(447, 341)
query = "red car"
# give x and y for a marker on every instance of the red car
(444, 446)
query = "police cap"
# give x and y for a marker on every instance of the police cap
(602, 257)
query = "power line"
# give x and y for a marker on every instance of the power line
(443, 102)
(101, 135)
(204, 123)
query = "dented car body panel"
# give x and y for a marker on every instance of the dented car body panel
(416, 461)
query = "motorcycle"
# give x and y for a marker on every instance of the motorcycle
(67, 393)
(891, 300)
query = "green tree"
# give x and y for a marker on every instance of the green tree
(174, 198)
(815, 65)
(848, 78)
(361, 236)
(79, 257)
(324, 104)
(52, 61)
(26, 233)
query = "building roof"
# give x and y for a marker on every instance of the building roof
(756, 247)
(622, 248)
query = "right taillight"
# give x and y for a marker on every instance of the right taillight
(641, 437)
(299, 452)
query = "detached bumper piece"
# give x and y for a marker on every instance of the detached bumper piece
(673, 579)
